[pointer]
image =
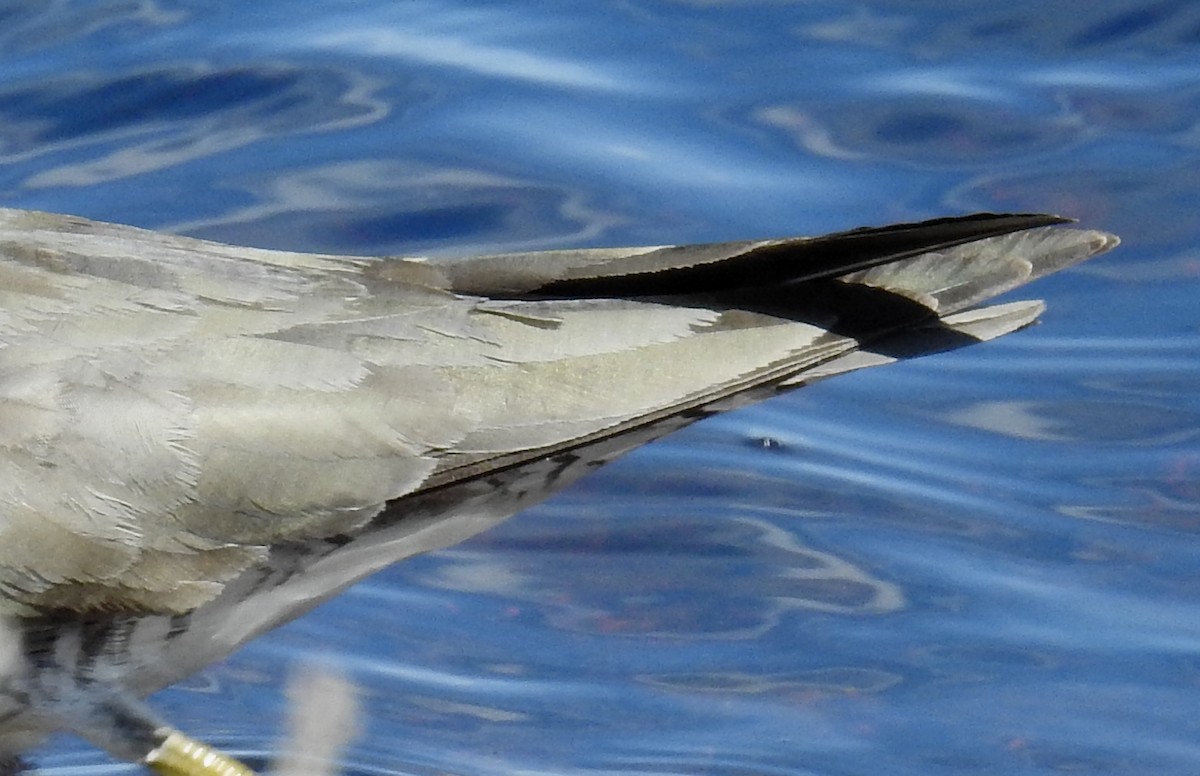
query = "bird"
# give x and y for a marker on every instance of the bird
(200, 441)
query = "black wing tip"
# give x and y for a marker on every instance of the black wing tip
(715, 267)
(1015, 221)
(971, 225)
(771, 262)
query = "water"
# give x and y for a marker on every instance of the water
(978, 563)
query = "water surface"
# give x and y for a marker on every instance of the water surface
(982, 562)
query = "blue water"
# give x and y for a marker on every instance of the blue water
(986, 562)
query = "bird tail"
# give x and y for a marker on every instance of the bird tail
(951, 283)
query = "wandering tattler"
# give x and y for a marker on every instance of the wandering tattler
(199, 442)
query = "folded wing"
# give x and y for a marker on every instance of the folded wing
(171, 409)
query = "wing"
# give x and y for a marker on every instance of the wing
(170, 408)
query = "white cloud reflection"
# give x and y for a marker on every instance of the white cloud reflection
(462, 52)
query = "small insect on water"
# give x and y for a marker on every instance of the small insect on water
(199, 442)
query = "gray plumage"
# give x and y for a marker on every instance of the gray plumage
(188, 428)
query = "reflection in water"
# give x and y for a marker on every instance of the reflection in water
(138, 123)
(1098, 422)
(431, 208)
(1170, 502)
(932, 129)
(27, 26)
(659, 575)
(822, 681)
(460, 49)
(1019, 27)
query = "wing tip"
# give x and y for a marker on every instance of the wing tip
(1057, 248)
